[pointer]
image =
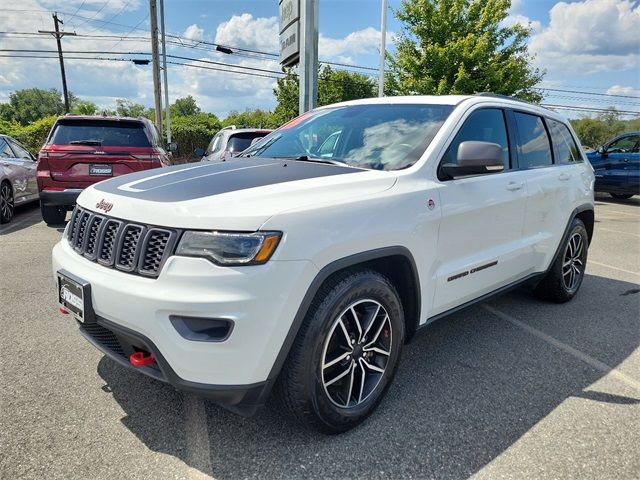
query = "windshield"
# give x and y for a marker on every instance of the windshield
(380, 137)
(100, 132)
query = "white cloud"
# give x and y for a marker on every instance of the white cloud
(589, 36)
(248, 32)
(620, 90)
(194, 32)
(358, 42)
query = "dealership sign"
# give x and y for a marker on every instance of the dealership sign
(289, 32)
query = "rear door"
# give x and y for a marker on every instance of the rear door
(479, 243)
(29, 165)
(84, 151)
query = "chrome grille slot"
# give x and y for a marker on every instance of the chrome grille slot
(155, 249)
(114, 243)
(128, 247)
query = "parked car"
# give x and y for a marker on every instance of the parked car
(617, 166)
(308, 274)
(229, 142)
(17, 177)
(82, 150)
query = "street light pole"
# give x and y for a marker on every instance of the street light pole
(383, 48)
(308, 67)
(164, 68)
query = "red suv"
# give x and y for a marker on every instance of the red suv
(82, 150)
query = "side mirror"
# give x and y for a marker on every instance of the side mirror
(601, 150)
(172, 147)
(199, 152)
(475, 158)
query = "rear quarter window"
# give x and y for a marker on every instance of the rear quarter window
(101, 132)
(565, 146)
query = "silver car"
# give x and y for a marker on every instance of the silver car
(17, 177)
(230, 141)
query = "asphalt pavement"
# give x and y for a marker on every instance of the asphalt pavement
(514, 388)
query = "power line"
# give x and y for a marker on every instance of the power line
(590, 109)
(586, 93)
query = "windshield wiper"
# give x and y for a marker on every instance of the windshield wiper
(307, 158)
(86, 142)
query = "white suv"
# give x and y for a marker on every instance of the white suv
(309, 272)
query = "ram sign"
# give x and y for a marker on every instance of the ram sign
(289, 32)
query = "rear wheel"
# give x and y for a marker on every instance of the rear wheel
(621, 196)
(565, 276)
(6, 202)
(53, 215)
(346, 352)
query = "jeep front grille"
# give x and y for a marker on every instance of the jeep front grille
(114, 243)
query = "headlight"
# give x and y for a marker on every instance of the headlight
(225, 248)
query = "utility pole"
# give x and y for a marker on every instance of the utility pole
(383, 48)
(153, 15)
(164, 71)
(58, 35)
(308, 69)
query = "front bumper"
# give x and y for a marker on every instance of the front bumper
(262, 302)
(63, 198)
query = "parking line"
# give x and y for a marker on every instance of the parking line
(612, 267)
(196, 437)
(589, 360)
(618, 231)
(621, 213)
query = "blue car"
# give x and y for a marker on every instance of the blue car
(617, 166)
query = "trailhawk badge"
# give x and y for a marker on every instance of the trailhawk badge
(106, 206)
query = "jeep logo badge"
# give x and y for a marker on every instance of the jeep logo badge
(106, 206)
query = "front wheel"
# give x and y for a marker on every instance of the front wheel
(564, 278)
(346, 352)
(6, 202)
(621, 196)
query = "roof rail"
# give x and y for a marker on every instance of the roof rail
(506, 97)
(229, 127)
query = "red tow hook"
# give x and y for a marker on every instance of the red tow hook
(140, 359)
(64, 311)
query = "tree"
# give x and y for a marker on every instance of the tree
(127, 108)
(333, 86)
(30, 104)
(183, 107)
(81, 107)
(461, 47)
(252, 119)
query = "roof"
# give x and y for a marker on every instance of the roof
(70, 116)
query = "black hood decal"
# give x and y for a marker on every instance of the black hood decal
(197, 180)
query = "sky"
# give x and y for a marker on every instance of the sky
(590, 49)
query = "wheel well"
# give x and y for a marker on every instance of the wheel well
(588, 219)
(401, 272)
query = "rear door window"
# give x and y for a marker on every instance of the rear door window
(565, 146)
(534, 148)
(5, 149)
(241, 141)
(100, 133)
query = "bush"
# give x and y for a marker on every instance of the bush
(193, 131)
(31, 136)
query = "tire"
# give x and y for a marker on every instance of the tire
(621, 196)
(53, 215)
(563, 280)
(321, 397)
(7, 204)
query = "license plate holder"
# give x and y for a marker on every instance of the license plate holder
(100, 170)
(74, 294)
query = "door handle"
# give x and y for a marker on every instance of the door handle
(564, 177)
(514, 186)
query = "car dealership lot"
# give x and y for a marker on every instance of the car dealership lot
(514, 388)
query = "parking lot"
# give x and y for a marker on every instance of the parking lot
(514, 388)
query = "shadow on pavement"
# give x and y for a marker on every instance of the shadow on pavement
(464, 393)
(604, 199)
(24, 216)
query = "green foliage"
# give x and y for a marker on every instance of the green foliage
(461, 47)
(30, 104)
(81, 107)
(593, 132)
(31, 136)
(252, 119)
(194, 131)
(333, 87)
(127, 108)
(184, 107)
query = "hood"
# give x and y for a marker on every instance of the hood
(240, 194)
